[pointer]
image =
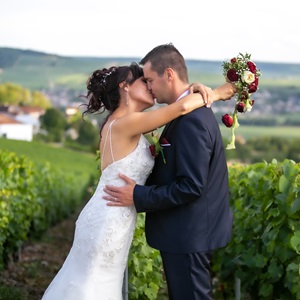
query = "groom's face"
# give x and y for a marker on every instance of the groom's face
(156, 84)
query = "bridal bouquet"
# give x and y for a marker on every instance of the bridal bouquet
(243, 72)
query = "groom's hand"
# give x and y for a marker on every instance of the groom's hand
(120, 196)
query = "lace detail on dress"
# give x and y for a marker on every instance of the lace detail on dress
(103, 235)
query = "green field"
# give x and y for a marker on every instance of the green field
(249, 132)
(68, 161)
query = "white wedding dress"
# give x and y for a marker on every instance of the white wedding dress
(95, 266)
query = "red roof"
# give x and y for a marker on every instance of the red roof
(6, 119)
(25, 110)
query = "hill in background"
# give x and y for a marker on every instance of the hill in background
(63, 78)
(37, 70)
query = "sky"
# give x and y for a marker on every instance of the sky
(202, 30)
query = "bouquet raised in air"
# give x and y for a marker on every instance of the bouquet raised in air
(243, 72)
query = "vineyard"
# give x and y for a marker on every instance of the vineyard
(264, 253)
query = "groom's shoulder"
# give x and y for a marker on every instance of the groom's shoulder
(203, 112)
(202, 115)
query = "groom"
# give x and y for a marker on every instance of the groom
(186, 199)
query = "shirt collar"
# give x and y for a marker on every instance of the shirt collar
(182, 95)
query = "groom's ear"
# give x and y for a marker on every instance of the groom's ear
(169, 74)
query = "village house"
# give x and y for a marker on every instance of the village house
(12, 129)
(19, 122)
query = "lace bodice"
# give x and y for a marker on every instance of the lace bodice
(137, 165)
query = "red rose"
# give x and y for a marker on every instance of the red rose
(152, 150)
(253, 86)
(233, 60)
(240, 107)
(232, 75)
(252, 67)
(227, 120)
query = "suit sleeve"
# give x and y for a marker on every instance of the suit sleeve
(193, 151)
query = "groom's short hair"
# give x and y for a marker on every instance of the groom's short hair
(166, 56)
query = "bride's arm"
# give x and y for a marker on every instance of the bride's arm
(205, 91)
(141, 122)
(222, 92)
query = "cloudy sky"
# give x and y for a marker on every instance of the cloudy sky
(209, 29)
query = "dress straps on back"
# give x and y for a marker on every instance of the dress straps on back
(110, 141)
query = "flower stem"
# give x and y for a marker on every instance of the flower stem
(163, 156)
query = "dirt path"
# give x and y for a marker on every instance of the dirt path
(38, 263)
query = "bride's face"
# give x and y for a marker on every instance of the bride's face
(139, 93)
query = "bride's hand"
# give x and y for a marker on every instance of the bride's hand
(224, 92)
(205, 91)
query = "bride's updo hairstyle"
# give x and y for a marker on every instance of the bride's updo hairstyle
(104, 90)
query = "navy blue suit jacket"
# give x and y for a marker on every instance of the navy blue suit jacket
(186, 200)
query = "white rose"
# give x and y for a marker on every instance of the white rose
(248, 77)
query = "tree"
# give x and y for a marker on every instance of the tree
(13, 94)
(39, 99)
(88, 134)
(55, 123)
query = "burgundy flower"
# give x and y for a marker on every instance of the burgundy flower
(252, 67)
(227, 120)
(240, 107)
(252, 88)
(233, 60)
(152, 150)
(252, 102)
(232, 75)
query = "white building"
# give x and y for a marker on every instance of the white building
(12, 129)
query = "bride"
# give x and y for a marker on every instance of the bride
(95, 265)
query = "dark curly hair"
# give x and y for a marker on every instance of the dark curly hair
(103, 88)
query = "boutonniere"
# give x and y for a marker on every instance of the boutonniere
(156, 147)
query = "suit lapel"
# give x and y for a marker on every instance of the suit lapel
(164, 132)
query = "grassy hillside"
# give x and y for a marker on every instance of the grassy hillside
(82, 165)
(247, 132)
(36, 70)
